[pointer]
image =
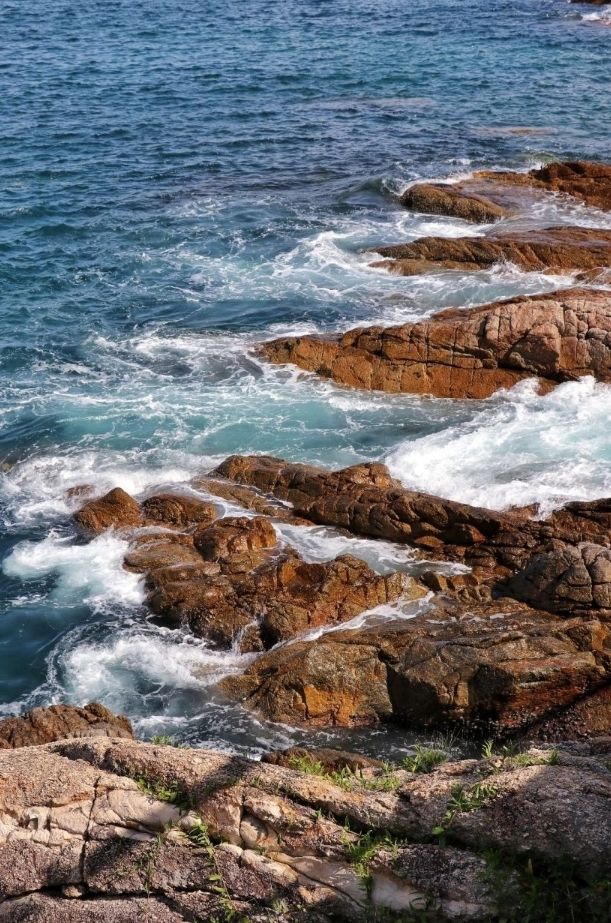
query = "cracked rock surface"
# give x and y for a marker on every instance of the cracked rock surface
(81, 840)
(469, 353)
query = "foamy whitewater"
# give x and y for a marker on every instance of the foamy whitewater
(173, 196)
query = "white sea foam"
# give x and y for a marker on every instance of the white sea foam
(519, 448)
(155, 657)
(91, 574)
(378, 617)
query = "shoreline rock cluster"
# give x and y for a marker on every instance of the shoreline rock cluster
(521, 636)
(513, 642)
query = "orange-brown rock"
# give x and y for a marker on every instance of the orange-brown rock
(560, 249)
(497, 542)
(275, 601)
(116, 509)
(236, 543)
(246, 497)
(232, 582)
(178, 510)
(567, 579)
(58, 722)
(154, 550)
(471, 353)
(498, 667)
(490, 195)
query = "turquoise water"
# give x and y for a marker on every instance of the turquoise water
(182, 180)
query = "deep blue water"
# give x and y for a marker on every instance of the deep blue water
(179, 180)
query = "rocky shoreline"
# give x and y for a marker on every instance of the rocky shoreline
(514, 645)
(99, 828)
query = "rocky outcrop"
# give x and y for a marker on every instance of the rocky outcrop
(43, 725)
(367, 501)
(567, 579)
(202, 835)
(467, 353)
(238, 586)
(230, 581)
(490, 195)
(118, 510)
(495, 668)
(561, 249)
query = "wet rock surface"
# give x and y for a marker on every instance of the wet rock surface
(467, 353)
(560, 249)
(490, 195)
(484, 654)
(89, 832)
(367, 501)
(231, 581)
(493, 668)
(43, 725)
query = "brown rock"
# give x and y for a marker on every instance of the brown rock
(43, 725)
(487, 540)
(273, 602)
(236, 543)
(470, 353)
(588, 717)
(556, 249)
(490, 195)
(178, 510)
(330, 760)
(497, 543)
(149, 552)
(116, 509)
(497, 667)
(246, 497)
(567, 579)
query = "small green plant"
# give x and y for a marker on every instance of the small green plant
(424, 759)
(462, 801)
(360, 853)
(164, 740)
(171, 792)
(512, 758)
(488, 749)
(308, 765)
(199, 836)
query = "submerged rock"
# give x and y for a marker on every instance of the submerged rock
(560, 249)
(467, 353)
(43, 725)
(490, 195)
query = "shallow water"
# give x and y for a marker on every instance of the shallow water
(183, 180)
